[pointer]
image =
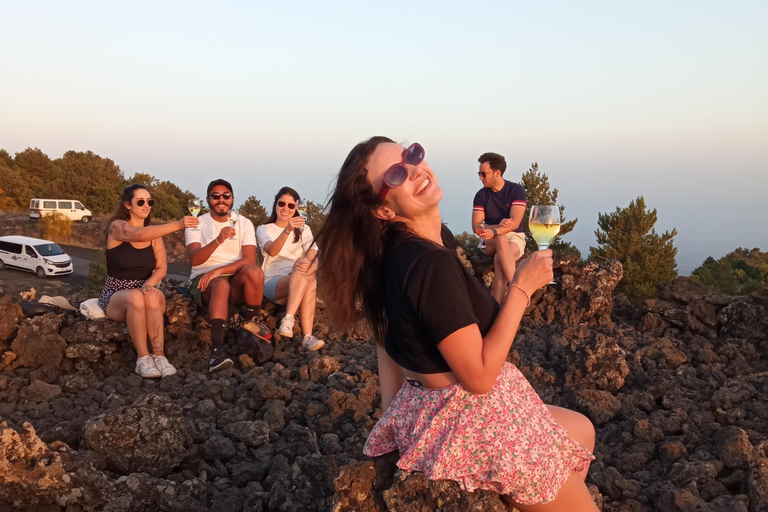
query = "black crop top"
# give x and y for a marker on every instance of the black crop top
(124, 261)
(428, 296)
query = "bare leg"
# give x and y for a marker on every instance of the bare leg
(155, 305)
(217, 297)
(297, 287)
(308, 303)
(579, 428)
(128, 306)
(573, 496)
(247, 286)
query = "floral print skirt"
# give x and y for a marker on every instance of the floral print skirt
(505, 440)
(113, 285)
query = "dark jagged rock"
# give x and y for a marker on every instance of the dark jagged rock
(144, 437)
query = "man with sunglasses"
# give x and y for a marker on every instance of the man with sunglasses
(500, 205)
(223, 256)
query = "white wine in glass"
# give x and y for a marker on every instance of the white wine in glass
(194, 206)
(232, 219)
(544, 224)
(301, 207)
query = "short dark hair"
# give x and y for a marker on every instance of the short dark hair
(495, 161)
(224, 183)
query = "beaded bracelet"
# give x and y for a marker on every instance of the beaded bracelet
(525, 292)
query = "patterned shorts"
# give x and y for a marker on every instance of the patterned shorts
(504, 441)
(115, 285)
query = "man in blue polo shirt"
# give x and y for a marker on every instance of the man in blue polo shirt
(500, 204)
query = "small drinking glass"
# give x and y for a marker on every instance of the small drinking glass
(301, 207)
(195, 205)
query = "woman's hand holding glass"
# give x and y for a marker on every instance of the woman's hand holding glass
(296, 222)
(189, 222)
(535, 272)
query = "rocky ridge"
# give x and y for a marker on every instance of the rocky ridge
(677, 388)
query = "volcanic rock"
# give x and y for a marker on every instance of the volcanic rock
(144, 437)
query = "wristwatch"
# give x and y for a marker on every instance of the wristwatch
(495, 233)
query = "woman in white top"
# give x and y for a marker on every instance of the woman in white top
(289, 266)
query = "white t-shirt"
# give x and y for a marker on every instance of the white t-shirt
(282, 264)
(227, 252)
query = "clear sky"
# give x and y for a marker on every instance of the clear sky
(668, 100)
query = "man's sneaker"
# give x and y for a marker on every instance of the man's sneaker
(145, 366)
(219, 361)
(258, 329)
(311, 343)
(286, 327)
(163, 365)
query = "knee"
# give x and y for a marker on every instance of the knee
(253, 274)
(135, 300)
(586, 431)
(219, 287)
(155, 301)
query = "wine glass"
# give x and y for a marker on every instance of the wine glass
(544, 224)
(195, 205)
(301, 207)
(477, 227)
(232, 219)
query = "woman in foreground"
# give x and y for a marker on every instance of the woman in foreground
(452, 406)
(136, 264)
(289, 266)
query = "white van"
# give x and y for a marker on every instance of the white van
(68, 207)
(42, 257)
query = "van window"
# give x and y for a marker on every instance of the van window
(65, 205)
(35, 203)
(49, 204)
(30, 252)
(49, 249)
(10, 247)
(78, 205)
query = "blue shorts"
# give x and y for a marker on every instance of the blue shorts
(270, 286)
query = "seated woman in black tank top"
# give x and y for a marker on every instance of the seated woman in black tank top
(136, 264)
(452, 405)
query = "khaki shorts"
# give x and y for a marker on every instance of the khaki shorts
(195, 292)
(517, 238)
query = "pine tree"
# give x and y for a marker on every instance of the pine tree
(315, 217)
(253, 211)
(628, 236)
(537, 190)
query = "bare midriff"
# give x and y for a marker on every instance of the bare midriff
(432, 380)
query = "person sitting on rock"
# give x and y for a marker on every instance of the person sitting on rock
(289, 265)
(136, 264)
(223, 256)
(500, 206)
(453, 407)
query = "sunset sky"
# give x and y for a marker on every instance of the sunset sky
(668, 100)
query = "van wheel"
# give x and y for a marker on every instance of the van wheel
(2, 265)
(85, 220)
(40, 272)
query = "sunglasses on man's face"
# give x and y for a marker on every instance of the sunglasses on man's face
(216, 196)
(397, 174)
(150, 202)
(283, 204)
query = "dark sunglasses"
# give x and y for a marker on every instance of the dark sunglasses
(216, 196)
(283, 204)
(150, 202)
(482, 174)
(397, 174)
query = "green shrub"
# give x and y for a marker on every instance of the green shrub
(55, 226)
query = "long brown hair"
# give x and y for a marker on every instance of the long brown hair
(272, 218)
(121, 212)
(351, 246)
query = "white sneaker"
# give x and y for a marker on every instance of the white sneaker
(286, 327)
(145, 366)
(311, 343)
(163, 365)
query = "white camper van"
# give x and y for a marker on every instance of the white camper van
(42, 257)
(67, 207)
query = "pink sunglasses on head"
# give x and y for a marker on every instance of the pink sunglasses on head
(397, 174)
